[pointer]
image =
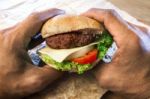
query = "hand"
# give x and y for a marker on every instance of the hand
(18, 76)
(128, 75)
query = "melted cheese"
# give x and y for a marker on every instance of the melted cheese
(60, 55)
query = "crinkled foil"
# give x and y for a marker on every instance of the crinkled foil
(35, 58)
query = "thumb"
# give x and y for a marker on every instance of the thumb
(117, 27)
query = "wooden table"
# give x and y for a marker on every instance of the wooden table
(139, 9)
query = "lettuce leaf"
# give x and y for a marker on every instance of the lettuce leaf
(105, 42)
(66, 65)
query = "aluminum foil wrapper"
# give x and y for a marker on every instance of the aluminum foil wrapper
(36, 59)
(110, 53)
(33, 53)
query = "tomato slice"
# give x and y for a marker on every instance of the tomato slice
(90, 57)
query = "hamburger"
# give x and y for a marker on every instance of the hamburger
(74, 43)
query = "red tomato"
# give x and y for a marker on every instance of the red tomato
(88, 58)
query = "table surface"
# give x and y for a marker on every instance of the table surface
(139, 9)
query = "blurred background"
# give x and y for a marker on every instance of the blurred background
(140, 9)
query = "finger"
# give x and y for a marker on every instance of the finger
(118, 28)
(33, 24)
(37, 78)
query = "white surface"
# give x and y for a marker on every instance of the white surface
(13, 11)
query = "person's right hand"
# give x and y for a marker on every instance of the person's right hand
(128, 75)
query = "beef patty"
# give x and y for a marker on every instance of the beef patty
(72, 39)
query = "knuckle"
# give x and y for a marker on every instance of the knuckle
(110, 12)
(104, 81)
(107, 80)
(30, 85)
(35, 82)
(112, 82)
(34, 16)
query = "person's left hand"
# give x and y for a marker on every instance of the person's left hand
(18, 76)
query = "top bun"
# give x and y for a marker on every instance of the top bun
(67, 23)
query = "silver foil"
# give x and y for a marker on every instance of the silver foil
(33, 53)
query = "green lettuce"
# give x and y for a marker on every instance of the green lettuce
(66, 65)
(105, 42)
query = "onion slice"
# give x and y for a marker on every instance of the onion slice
(80, 53)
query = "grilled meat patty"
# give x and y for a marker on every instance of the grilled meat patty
(72, 39)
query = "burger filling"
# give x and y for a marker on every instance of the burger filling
(78, 50)
(73, 39)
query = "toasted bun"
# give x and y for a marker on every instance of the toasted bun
(67, 23)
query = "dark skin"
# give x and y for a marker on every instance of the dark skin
(128, 75)
(18, 76)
